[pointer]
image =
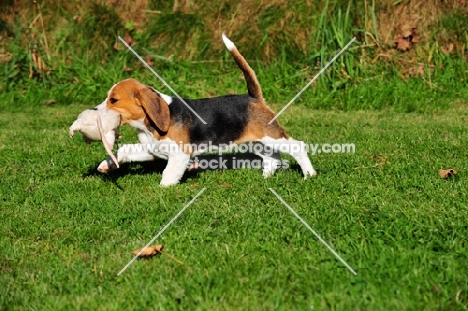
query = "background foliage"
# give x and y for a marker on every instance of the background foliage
(417, 45)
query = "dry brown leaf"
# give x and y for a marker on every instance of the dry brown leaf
(402, 44)
(447, 49)
(117, 46)
(149, 60)
(149, 251)
(154, 250)
(413, 37)
(406, 33)
(415, 71)
(447, 173)
(128, 39)
(226, 185)
(409, 36)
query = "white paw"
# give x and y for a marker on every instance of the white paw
(167, 184)
(270, 167)
(310, 173)
(268, 173)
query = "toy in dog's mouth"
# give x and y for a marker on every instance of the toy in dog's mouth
(98, 125)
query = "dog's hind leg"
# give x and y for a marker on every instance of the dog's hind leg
(295, 148)
(271, 160)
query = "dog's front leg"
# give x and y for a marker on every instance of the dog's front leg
(175, 169)
(127, 153)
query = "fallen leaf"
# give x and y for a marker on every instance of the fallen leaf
(447, 173)
(402, 44)
(128, 39)
(406, 33)
(153, 250)
(149, 60)
(117, 46)
(149, 251)
(415, 71)
(226, 185)
(447, 49)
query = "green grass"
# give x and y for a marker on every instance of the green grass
(437, 91)
(67, 230)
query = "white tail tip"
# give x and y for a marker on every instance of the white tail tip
(228, 43)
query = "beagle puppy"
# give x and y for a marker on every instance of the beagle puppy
(172, 127)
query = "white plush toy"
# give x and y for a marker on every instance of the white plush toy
(98, 125)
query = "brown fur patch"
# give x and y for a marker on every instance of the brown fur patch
(126, 103)
(253, 86)
(179, 133)
(131, 105)
(257, 125)
(155, 107)
(135, 101)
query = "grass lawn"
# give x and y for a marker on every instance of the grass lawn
(66, 230)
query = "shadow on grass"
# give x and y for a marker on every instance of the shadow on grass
(208, 162)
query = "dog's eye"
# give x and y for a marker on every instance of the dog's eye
(113, 100)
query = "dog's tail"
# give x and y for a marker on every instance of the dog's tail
(253, 86)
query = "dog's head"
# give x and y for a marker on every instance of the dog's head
(135, 101)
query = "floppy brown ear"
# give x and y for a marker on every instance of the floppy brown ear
(155, 107)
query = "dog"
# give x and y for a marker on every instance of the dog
(171, 128)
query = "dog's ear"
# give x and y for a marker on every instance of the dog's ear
(155, 107)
